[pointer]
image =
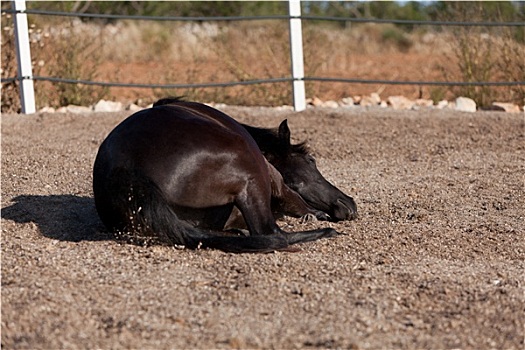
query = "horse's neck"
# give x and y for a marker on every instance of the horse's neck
(266, 139)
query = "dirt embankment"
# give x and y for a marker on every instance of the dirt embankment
(435, 260)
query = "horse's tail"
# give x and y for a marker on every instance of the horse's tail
(133, 203)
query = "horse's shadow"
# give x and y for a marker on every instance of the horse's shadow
(62, 217)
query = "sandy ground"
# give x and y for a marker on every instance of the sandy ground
(436, 259)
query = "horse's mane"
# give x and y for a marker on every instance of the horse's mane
(301, 148)
(269, 142)
(168, 100)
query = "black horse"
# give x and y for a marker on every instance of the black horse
(177, 170)
(298, 168)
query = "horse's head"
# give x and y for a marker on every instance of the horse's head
(300, 173)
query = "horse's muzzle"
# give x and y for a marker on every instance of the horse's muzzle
(344, 209)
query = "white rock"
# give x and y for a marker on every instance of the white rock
(400, 102)
(372, 100)
(284, 108)
(465, 104)
(74, 109)
(424, 102)
(442, 104)
(78, 109)
(133, 107)
(316, 102)
(330, 104)
(107, 106)
(347, 101)
(47, 110)
(374, 96)
(366, 101)
(508, 107)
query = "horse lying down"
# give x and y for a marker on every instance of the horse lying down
(184, 172)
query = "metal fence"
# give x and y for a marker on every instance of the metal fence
(297, 77)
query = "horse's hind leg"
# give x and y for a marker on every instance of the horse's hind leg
(307, 236)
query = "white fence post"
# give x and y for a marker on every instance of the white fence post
(23, 54)
(296, 49)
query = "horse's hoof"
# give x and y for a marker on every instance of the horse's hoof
(330, 232)
(308, 218)
(322, 216)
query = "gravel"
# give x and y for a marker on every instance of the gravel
(435, 260)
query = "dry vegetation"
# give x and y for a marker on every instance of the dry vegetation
(166, 52)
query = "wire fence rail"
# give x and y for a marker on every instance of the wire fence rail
(19, 11)
(269, 17)
(263, 81)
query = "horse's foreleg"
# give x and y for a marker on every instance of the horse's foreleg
(254, 203)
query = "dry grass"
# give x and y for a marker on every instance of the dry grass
(165, 52)
(486, 55)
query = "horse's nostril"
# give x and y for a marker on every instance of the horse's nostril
(346, 209)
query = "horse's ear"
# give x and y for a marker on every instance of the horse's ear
(284, 131)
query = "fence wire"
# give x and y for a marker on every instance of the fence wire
(263, 81)
(164, 86)
(269, 17)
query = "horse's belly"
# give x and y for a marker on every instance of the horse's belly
(213, 218)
